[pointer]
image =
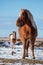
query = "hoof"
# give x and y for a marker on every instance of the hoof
(33, 57)
(26, 55)
(23, 57)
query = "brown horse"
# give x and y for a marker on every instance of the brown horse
(27, 31)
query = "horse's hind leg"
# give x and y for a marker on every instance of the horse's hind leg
(32, 49)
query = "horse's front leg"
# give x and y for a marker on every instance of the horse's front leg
(23, 51)
(26, 48)
(12, 50)
(26, 52)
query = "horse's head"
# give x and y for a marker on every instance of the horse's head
(11, 38)
(22, 18)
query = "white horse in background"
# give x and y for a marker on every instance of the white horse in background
(12, 40)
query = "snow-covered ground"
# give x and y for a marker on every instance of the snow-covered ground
(6, 53)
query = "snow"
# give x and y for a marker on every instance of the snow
(5, 52)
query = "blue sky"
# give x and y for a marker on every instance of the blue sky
(9, 10)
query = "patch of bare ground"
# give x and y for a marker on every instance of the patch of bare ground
(39, 44)
(3, 60)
